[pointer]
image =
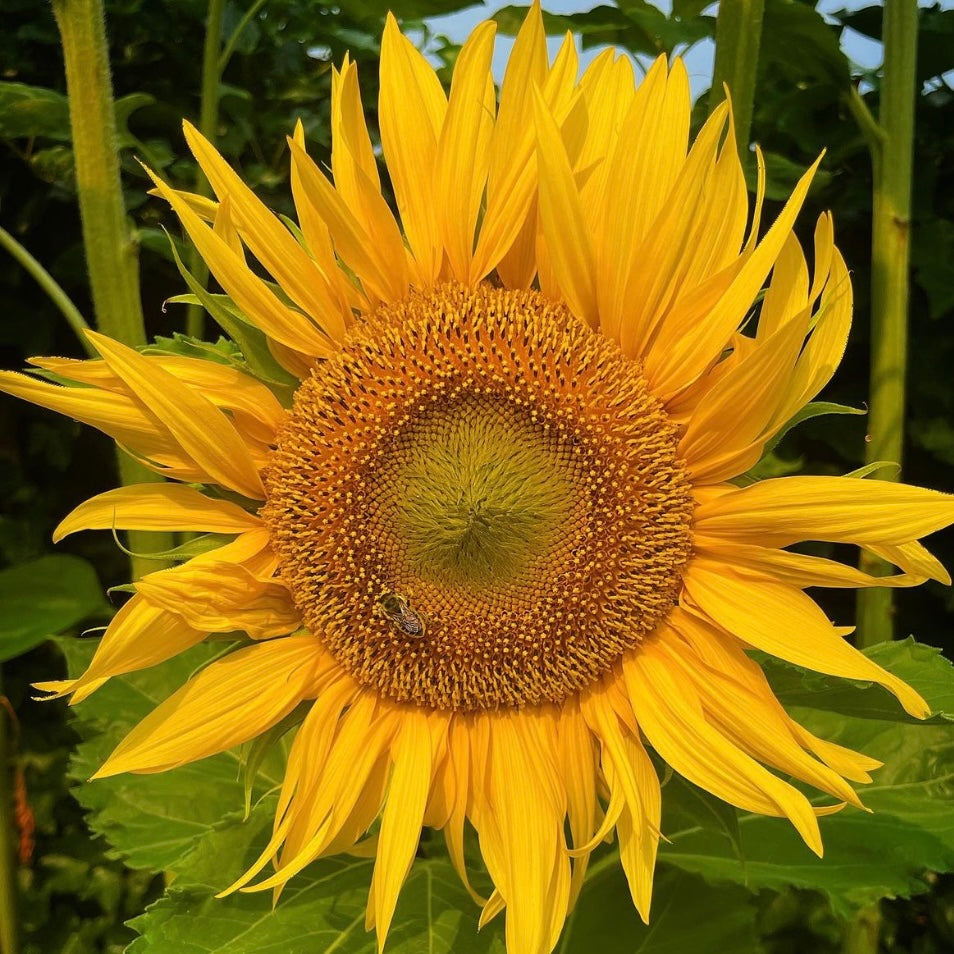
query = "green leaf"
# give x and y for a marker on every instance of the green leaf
(634, 25)
(153, 820)
(797, 43)
(221, 351)
(33, 111)
(687, 915)
(884, 854)
(323, 908)
(44, 598)
(924, 667)
(815, 409)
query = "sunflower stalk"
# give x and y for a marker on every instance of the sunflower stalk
(738, 35)
(891, 159)
(208, 120)
(111, 252)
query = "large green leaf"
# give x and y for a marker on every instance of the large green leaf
(867, 856)
(322, 909)
(44, 598)
(634, 25)
(687, 915)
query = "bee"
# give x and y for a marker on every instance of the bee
(397, 609)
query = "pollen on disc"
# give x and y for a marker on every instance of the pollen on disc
(477, 502)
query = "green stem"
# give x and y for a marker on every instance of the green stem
(9, 943)
(53, 290)
(738, 34)
(862, 933)
(208, 120)
(247, 18)
(891, 159)
(111, 253)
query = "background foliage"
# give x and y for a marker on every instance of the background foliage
(730, 882)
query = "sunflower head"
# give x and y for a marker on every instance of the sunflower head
(484, 452)
(499, 533)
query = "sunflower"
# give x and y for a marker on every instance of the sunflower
(495, 531)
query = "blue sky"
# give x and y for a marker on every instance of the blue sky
(861, 50)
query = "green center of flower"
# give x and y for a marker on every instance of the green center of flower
(482, 495)
(478, 502)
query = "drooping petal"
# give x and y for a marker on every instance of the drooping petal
(230, 701)
(221, 597)
(672, 717)
(138, 636)
(783, 621)
(156, 507)
(201, 429)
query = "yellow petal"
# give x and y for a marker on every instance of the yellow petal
(413, 754)
(913, 558)
(752, 720)
(223, 226)
(783, 621)
(247, 290)
(463, 152)
(138, 636)
(256, 409)
(679, 357)
(797, 569)
(318, 239)
(117, 415)
(219, 597)
(787, 294)
(509, 183)
(523, 834)
(156, 507)
(561, 216)
(272, 244)
(727, 430)
(230, 701)
(786, 510)
(200, 428)
(411, 112)
(352, 242)
(670, 713)
(356, 180)
(667, 243)
(648, 156)
(629, 769)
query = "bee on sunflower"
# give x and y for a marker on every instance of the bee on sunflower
(517, 411)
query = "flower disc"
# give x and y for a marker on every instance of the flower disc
(477, 502)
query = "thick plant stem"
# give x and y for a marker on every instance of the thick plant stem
(862, 933)
(208, 119)
(111, 252)
(891, 158)
(8, 889)
(738, 35)
(52, 288)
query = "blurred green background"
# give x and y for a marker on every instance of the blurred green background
(76, 897)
